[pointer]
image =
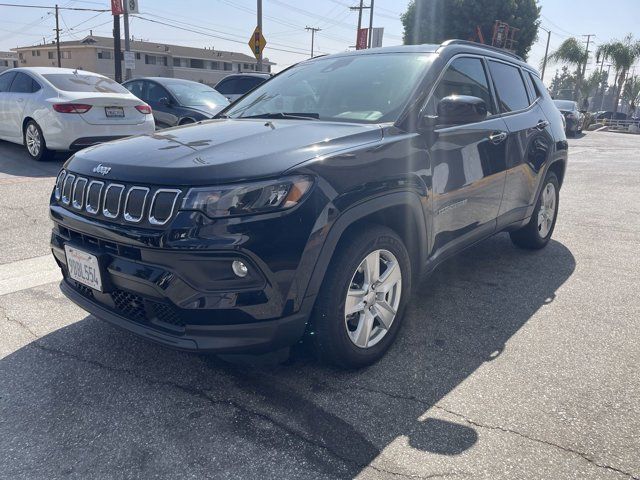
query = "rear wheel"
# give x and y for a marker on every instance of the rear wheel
(537, 233)
(360, 308)
(35, 143)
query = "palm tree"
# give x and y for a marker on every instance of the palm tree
(571, 53)
(622, 53)
(631, 93)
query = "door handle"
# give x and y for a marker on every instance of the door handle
(542, 124)
(498, 137)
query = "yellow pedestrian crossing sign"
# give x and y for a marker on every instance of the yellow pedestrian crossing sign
(257, 42)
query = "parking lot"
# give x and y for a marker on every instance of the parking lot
(511, 364)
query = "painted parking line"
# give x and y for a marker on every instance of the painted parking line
(29, 273)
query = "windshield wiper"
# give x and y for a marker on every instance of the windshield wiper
(295, 115)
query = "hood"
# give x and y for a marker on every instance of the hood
(219, 151)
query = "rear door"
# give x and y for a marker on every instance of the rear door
(468, 161)
(20, 95)
(529, 144)
(5, 84)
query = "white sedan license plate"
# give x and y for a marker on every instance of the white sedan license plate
(83, 267)
(114, 112)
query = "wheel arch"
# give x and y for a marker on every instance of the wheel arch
(401, 212)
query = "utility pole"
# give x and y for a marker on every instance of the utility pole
(116, 48)
(583, 69)
(58, 38)
(313, 31)
(370, 23)
(546, 54)
(127, 43)
(359, 8)
(259, 65)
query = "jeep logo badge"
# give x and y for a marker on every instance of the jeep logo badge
(101, 169)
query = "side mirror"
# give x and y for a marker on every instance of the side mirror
(461, 109)
(165, 102)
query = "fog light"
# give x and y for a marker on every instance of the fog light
(239, 268)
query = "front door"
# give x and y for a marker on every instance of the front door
(468, 162)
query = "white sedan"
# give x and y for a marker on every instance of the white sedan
(59, 109)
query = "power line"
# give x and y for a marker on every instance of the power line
(49, 7)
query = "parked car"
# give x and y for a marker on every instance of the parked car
(609, 115)
(242, 233)
(177, 102)
(58, 109)
(574, 118)
(236, 85)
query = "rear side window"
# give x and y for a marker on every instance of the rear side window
(465, 76)
(243, 85)
(540, 89)
(24, 84)
(136, 88)
(512, 93)
(227, 87)
(68, 82)
(5, 81)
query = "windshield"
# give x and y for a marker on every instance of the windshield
(358, 88)
(69, 82)
(196, 94)
(565, 104)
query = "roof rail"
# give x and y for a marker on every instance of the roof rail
(481, 45)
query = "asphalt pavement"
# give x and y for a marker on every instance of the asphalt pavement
(510, 364)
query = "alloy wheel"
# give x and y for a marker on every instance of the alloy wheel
(33, 139)
(547, 210)
(373, 298)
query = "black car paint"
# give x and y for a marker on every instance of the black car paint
(361, 171)
(172, 113)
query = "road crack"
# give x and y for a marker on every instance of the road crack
(510, 431)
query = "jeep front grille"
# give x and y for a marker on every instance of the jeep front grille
(116, 202)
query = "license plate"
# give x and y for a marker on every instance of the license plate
(114, 112)
(83, 267)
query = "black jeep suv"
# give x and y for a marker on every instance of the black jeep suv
(314, 203)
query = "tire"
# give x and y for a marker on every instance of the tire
(35, 143)
(537, 233)
(336, 335)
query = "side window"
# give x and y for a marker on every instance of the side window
(465, 76)
(35, 86)
(22, 84)
(136, 89)
(155, 92)
(227, 86)
(539, 88)
(512, 94)
(5, 81)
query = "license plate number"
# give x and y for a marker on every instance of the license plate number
(114, 112)
(83, 267)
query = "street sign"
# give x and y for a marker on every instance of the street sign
(361, 44)
(257, 42)
(130, 60)
(116, 7)
(131, 6)
(376, 37)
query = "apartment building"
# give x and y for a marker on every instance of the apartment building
(96, 54)
(8, 60)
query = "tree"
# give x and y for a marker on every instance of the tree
(631, 93)
(562, 84)
(596, 81)
(434, 21)
(571, 53)
(622, 53)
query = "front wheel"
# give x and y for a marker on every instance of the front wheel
(35, 143)
(360, 308)
(537, 233)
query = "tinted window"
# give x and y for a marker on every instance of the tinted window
(245, 84)
(22, 84)
(227, 87)
(465, 76)
(512, 94)
(84, 83)
(195, 94)
(155, 92)
(5, 81)
(136, 88)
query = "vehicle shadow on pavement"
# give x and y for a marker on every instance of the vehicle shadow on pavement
(15, 161)
(89, 399)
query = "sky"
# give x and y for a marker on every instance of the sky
(227, 24)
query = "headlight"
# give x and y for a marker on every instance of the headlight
(248, 198)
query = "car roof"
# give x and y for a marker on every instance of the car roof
(258, 75)
(162, 80)
(52, 70)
